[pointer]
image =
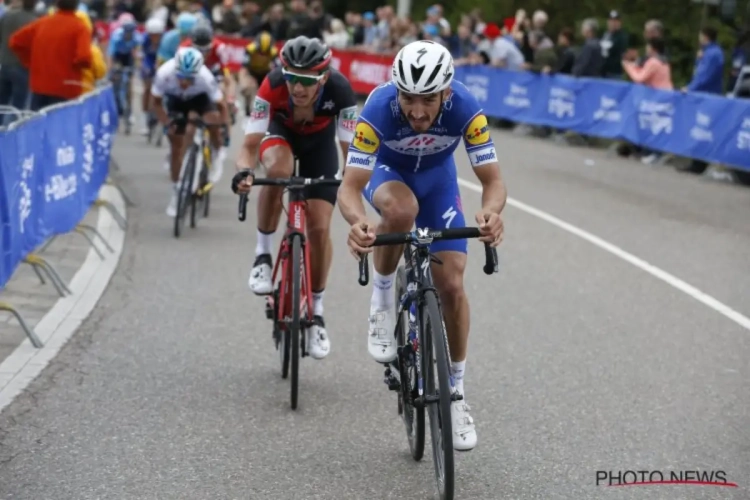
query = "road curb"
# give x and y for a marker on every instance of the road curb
(26, 362)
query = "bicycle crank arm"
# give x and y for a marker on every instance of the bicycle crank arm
(423, 401)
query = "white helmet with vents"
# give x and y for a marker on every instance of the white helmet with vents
(423, 67)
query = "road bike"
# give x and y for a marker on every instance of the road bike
(120, 78)
(194, 185)
(423, 353)
(289, 306)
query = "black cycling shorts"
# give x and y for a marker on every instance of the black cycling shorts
(199, 104)
(317, 156)
(125, 60)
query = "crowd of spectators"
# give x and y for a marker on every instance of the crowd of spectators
(522, 42)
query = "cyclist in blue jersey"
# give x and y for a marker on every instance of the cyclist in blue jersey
(121, 52)
(154, 30)
(171, 41)
(401, 159)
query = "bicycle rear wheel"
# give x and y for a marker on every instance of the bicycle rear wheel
(193, 195)
(295, 326)
(435, 362)
(412, 416)
(185, 193)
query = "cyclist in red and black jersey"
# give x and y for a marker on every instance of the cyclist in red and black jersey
(298, 110)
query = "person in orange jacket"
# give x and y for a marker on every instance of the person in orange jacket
(56, 50)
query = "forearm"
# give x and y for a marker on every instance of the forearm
(248, 153)
(351, 205)
(494, 196)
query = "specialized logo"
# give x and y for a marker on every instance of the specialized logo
(478, 131)
(365, 138)
(360, 160)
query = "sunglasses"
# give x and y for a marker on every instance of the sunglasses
(186, 78)
(304, 80)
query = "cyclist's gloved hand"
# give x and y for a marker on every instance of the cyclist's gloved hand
(242, 181)
(361, 236)
(490, 227)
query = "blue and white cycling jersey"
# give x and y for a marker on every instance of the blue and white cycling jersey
(170, 42)
(119, 46)
(148, 64)
(385, 143)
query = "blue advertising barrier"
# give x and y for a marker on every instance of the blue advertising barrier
(694, 125)
(52, 166)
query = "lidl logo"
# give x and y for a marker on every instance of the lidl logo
(365, 138)
(478, 131)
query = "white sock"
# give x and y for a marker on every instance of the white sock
(382, 290)
(318, 303)
(458, 369)
(265, 243)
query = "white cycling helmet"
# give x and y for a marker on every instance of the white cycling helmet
(155, 26)
(189, 61)
(423, 67)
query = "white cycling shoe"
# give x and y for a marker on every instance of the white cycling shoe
(172, 207)
(464, 430)
(381, 342)
(261, 274)
(319, 345)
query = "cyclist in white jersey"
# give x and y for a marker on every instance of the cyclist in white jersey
(401, 159)
(189, 88)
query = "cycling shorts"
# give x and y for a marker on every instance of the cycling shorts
(438, 196)
(125, 60)
(317, 154)
(199, 104)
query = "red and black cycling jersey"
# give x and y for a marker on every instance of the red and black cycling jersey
(336, 100)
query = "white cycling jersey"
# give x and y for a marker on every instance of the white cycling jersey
(167, 83)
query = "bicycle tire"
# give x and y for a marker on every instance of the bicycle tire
(281, 336)
(412, 416)
(193, 195)
(434, 342)
(184, 193)
(295, 326)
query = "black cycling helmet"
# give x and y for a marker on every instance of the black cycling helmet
(306, 53)
(202, 36)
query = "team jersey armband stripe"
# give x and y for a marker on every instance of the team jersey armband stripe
(483, 156)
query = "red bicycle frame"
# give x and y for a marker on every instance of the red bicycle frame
(296, 224)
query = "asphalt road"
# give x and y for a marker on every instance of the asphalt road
(579, 361)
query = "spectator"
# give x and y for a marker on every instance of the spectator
(14, 78)
(98, 69)
(320, 18)
(614, 44)
(354, 26)
(337, 38)
(226, 17)
(461, 45)
(655, 72)
(442, 23)
(544, 51)
(503, 52)
(566, 55)
(370, 31)
(300, 22)
(520, 33)
(589, 62)
(275, 23)
(709, 65)
(55, 49)
(539, 21)
(740, 57)
(385, 17)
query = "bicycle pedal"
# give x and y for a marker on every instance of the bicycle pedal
(457, 397)
(391, 381)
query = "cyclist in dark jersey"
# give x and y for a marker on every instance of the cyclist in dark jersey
(298, 111)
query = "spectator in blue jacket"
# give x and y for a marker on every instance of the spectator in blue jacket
(709, 66)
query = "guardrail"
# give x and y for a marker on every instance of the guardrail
(52, 166)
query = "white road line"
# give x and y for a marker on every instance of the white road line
(651, 269)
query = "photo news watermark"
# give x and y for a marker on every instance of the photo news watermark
(657, 477)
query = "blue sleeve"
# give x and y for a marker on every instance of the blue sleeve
(114, 41)
(473, 126)
(705, 69)
(368, 133)
(164, 51)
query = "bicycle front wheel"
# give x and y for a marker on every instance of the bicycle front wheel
(436, 365)
(295, 325)
(185, 193)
